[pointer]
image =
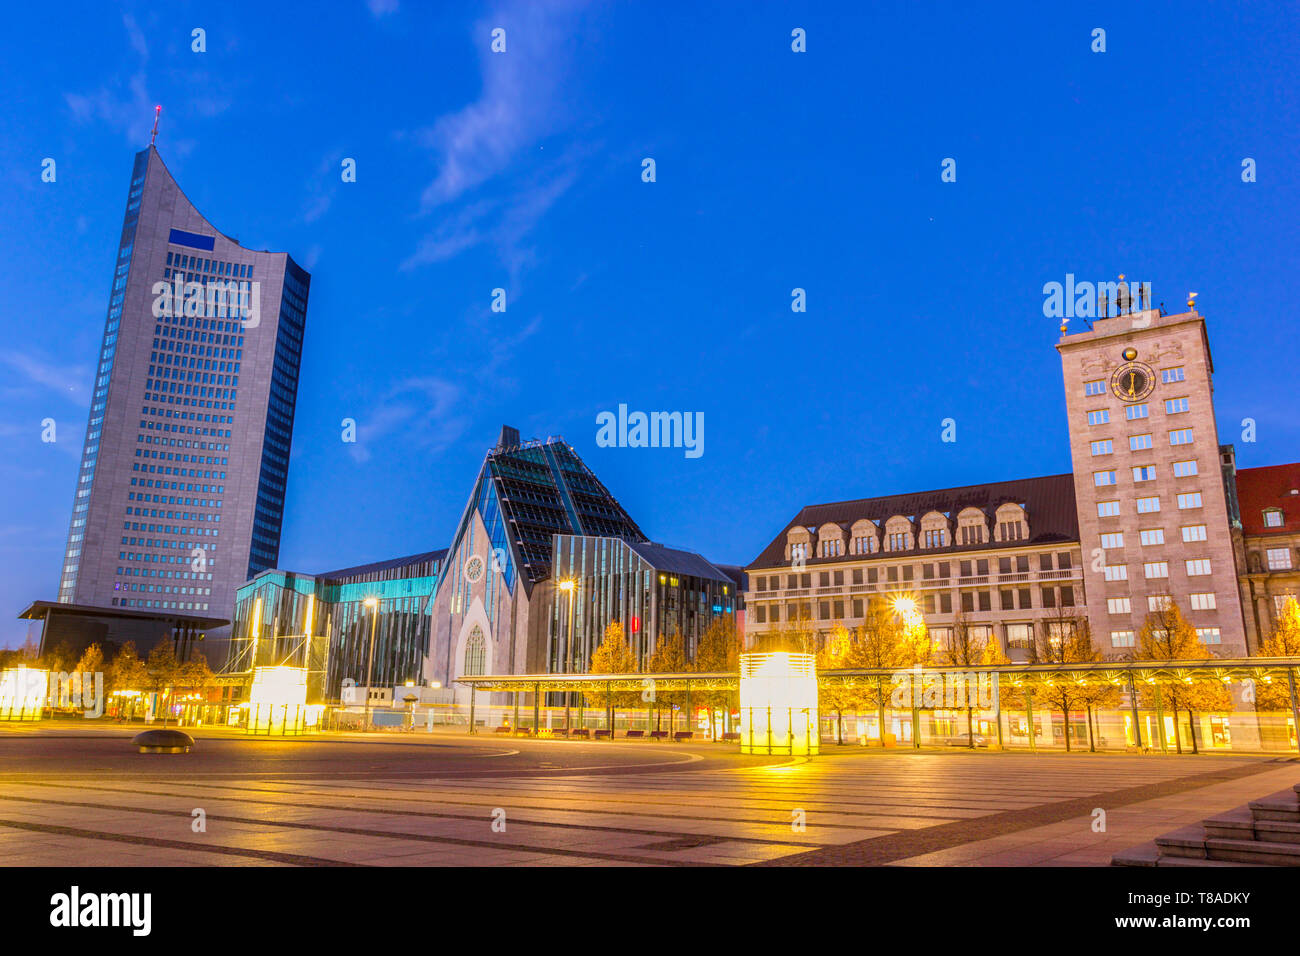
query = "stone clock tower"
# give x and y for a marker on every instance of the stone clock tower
(1153, 514)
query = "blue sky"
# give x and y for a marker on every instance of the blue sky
(775, 170)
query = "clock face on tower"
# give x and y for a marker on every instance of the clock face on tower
(1132, 382)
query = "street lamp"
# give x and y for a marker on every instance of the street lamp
(567, 586)
(373, 604)
(905, 607)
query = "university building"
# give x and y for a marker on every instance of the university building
(180, 493)
(544, 558)
(1154, 510)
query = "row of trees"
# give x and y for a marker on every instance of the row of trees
(159, 672)
(893, 636)
(888, 639)
(718, 651)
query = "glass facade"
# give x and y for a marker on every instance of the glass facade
(276, 609)
(651, 590)
(529, 491)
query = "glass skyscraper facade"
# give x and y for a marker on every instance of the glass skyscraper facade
(180, 493)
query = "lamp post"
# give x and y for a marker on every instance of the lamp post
(568, 587)
(373, 604)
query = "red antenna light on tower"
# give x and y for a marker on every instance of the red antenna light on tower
(157, 111)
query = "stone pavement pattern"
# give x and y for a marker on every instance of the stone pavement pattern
(623, 804)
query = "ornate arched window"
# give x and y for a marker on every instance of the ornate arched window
(1012, 523)
(475, 652)
(898, 533)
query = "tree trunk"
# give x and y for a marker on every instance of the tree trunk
(1191, 729)
(1092, 746)
(970, 728)
(1065, 712)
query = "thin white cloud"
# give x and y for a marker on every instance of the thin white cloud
(130, 111)
(136, 36)
(505, 223)
(518, 104)
(68, 381)
(419, 412)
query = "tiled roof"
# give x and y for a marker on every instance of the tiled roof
(1272, 486)
(1049, 504)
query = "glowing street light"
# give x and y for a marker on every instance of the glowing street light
(905, 607)
(568, 585)
(373, 604)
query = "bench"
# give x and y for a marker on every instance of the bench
(633, 734)
(504, 729)
(560, 731)
(684, 735)
(602, 734)
(659, 734)
(731, 735)
(579, 732)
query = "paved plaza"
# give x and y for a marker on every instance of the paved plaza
(75, 795)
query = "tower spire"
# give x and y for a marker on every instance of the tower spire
(157, 111)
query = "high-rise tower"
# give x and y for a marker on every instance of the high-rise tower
(180, 494)
(1155, 521)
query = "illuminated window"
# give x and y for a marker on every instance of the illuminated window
(1197, 566)
(1156, 569)
(1204, 601)
(1121, 639)
(1159, 602)
(1118, 605)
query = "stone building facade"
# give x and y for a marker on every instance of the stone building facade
(1150, 513)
